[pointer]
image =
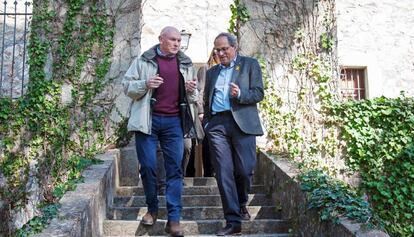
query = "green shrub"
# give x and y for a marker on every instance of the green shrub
(60, 138)
(379, 141)
(392, 193)
(333, 198)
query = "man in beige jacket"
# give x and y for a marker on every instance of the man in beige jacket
(160, 82)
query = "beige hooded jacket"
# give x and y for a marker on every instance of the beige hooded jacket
(134, 83)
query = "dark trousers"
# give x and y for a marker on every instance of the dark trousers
(207, 166)
(168, 133)
(188, 158)
(233, 154)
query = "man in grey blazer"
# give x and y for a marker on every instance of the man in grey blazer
(231, 122)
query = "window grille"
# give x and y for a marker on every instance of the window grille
(352, 83)
(15, 18)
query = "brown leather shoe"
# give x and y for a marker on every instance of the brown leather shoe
(230, 229)
(174, 229)
(149, 218)
(244, 213)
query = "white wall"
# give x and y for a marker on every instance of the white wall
(204, 19)
(379, 34)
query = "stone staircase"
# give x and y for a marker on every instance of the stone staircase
(202, 213)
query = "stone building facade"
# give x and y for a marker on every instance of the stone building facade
(378, 37)
(375, 36)
(204, 19)
(372, 39)
(365, 49)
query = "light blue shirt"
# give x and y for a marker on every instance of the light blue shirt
(159, 52)
(221, 96)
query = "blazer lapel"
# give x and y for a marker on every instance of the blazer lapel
(236, 70)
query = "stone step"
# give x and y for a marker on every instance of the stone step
(192, 213)
(190, 201)
(260, 227)
(188, 190)
(194, 181)
(252, 235)
(200, 181)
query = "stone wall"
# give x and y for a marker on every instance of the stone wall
(279, 31)
(284, 34)
(127, 46)
(279, 177)
(374, 34)
(127, 19)
(378, 35)
(127, 16)
(83, 210)
(274, 29)
(204, 19)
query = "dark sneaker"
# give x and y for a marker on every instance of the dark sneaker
(149, 218)
(245, 213)
(174, 229)
(230, 229)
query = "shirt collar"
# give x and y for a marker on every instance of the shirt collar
(160, 53)
(232, 63)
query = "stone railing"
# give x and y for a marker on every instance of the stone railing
(83, 210)
(279, 177)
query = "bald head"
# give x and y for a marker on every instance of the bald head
(168, 30)
(170, 40)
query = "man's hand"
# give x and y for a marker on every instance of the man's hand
(190, 86)
(154, 82)
(234, 90)
(201, 117)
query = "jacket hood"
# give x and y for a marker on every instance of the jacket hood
(150, 54)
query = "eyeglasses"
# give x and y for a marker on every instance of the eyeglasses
(224, 49)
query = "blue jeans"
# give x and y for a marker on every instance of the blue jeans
(168, 132)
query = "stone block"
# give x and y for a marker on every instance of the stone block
(128, 167)
(83, 210)
(279, 177)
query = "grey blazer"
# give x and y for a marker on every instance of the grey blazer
(248, 76)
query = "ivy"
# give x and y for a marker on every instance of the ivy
(61, 139)
(271, 105)
(333, 198)
(379, 142)
(239, 16)
(305, 118)
(327, 41)
(37, 224)
(317, 69)
(296, 105)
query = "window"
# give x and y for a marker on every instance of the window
(352, 83)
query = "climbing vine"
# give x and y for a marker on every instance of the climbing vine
(239, 16)
(333, 198)
(379, 142)
(53, 132)
(295, 108)
(305, 117)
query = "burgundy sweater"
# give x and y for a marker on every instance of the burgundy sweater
(168, 93)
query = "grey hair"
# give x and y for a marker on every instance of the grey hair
(230, 38)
